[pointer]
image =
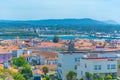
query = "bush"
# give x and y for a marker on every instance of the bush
(109, 77)
(81, 79)
(101, 78)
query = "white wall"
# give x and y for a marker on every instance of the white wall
(68, 63)
(90, 67)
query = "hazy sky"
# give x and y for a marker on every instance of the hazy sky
(55, 9)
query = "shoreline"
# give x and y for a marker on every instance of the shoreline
(64, 35)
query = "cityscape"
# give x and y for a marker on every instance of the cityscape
(60, 40)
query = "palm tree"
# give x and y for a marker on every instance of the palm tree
(45, 70)
(71, 75)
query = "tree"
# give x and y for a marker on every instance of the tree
(56, 39)
(109, 77)
(19, 62)
(47, 77)
(15, 75)
(101, 78)
(27, 72)
(71, 75)
(88, 75)
(81, 79)
(18, 76)
(118, 65)
(43, 79)
(45, 70)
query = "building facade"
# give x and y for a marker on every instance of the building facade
(97, 66)
(66, 62)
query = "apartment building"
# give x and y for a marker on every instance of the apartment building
(98, 66)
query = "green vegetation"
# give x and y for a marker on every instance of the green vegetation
(88, 75)
(19, 62)
(81, 79)
(45, 70)
(101, 78)
(71, 75)
(56, 39)
(7, 74)
(27, 72)
(25, 69)
(46, 77)
(109, 77)
(118, 65)
(20, 34)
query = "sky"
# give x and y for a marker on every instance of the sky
(59, 9)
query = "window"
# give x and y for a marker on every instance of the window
(113, 66)
(108, 66)
(81, 72)
(95, 67)
(77, 59)
(75, 67)
(4, 56)
(85, 66)
(99, 67)
(59, 65)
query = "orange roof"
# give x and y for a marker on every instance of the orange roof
(49, 66)
(37, 71)
(51, 58)
(12, 69)
(25, 55)
(45, 54)
(50, 44)
(1, 66)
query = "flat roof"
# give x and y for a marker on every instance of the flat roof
(86, 51)
(100, 59)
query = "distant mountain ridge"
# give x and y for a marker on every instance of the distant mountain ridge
(85, 24)
(58, 21)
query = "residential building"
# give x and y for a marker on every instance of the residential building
(68, 61)
(98, 66)
(5, 57)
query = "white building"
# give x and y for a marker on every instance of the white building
(104, 54)
(68, 61)
(18, 52)
(98, 66)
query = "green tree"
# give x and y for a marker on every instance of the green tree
(45, 70)
(101, 78)
(81, 79)
(118, 65)
(56, 39)
(27, 72)
(19, 62)
(109, 77)
(47, 77)
(88, 75)
(15, 75)
(43, 78)
(18, 76)
(71, 75)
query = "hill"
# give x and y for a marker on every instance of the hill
(85, 24)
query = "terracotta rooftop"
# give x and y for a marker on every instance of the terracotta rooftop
(45, 54)
(49, 66)
(37, 71)
(25, 55)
